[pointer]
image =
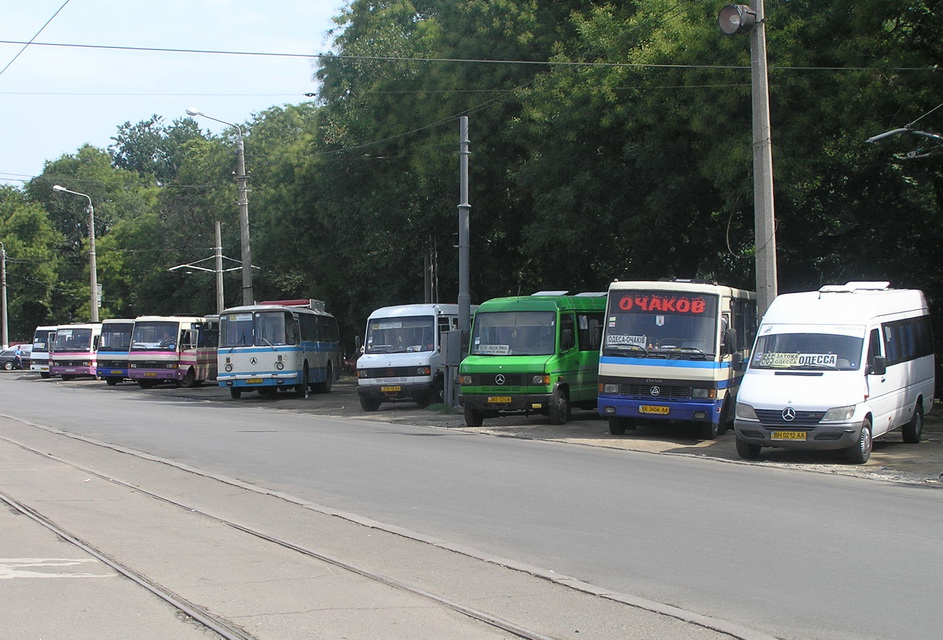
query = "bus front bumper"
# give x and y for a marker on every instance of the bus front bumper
(685, 410)
(811, 438)
(529, 402)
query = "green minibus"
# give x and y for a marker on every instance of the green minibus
(533, 354)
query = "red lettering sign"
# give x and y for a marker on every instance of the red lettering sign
(663, 303)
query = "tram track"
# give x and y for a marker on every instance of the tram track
(223, 627)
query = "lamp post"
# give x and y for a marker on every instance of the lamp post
(247, 296)
(738, 18)
(92, 267)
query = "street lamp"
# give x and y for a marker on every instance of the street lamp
(738, 18)
(92, 267)
(247, 297)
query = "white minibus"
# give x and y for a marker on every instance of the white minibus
(401, 358)
(836, 368)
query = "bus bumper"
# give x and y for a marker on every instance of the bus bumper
(397, 390)
(530, 402)
(688, 411)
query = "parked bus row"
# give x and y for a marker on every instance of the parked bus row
(292, 345)
(831, 369)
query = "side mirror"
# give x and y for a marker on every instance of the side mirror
(878, 366)
(730, 341)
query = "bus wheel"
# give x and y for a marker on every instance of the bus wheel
(369, 404)
(146, 384)
(189, 379)
(747, 450)
(44, 374)
(235, 393)
(618, 426)
(861, 451)
(325, 387)
(710, 430)
(912, 431)
(111, 381)
(302, 390)
(66, 378)
(559, 407)
(473, 418)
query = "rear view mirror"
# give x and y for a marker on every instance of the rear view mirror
(877, 366)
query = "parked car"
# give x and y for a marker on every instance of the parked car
(8, 358)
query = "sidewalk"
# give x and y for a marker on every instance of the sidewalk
(401, 587)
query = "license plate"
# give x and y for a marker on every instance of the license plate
(115, 372)
(499, 399)
(787, 435)
(391, 389)
(150, 374)
(254, 381)
(648, 408)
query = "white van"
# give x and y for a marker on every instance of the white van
(401, 358)
(835, 368)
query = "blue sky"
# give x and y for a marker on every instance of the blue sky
(53, 100)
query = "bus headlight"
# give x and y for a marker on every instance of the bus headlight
(746, 412)
(541, 379)
(423, 371)
(836, 414)
(611, 388)
(228, 367)
(466, 380)
(699, 393)
(279, 365)
(361, 373)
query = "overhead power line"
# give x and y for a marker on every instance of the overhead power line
(36, 35)
(546, 63)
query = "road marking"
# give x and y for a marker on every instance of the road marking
(11, 568)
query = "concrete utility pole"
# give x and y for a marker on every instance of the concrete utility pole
(464, 297)
(92, 264)
(3, 285)
(243, 202)
(733, 19)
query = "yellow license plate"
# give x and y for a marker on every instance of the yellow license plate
(499, 399)
(648, 408)
(254, 381)
(787, 435)
(391, 389)
(150, 374)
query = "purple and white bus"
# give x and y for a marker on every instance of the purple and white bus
(73, 353)
(178, 349)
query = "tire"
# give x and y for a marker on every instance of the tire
(111, 381)
(747, 450)
(710, 430)
(325, 386)
(146, 384)
(369, 404)
(559, 409)
(8, 366)
(44, 374)
(188, 381)
(473, 418)
(424, 400)
(303, 390)
(913, 430)
(235, 393)
(861, 451)
(66, 377)
(617, 426)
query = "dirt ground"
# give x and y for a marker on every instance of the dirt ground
(891, 458)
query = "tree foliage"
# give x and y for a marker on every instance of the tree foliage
(609, 140)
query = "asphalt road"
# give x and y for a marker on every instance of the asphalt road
(765, 545)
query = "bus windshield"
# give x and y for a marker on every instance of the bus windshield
(514, 333)
(73, 340)
(400, 335)
(782, 351)
(115, 337)
(259, 328)
(154, 336)
(40, 340)
(661, 324)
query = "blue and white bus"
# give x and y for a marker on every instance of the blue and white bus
(113, 347)
(670, 350)
(282, 344)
